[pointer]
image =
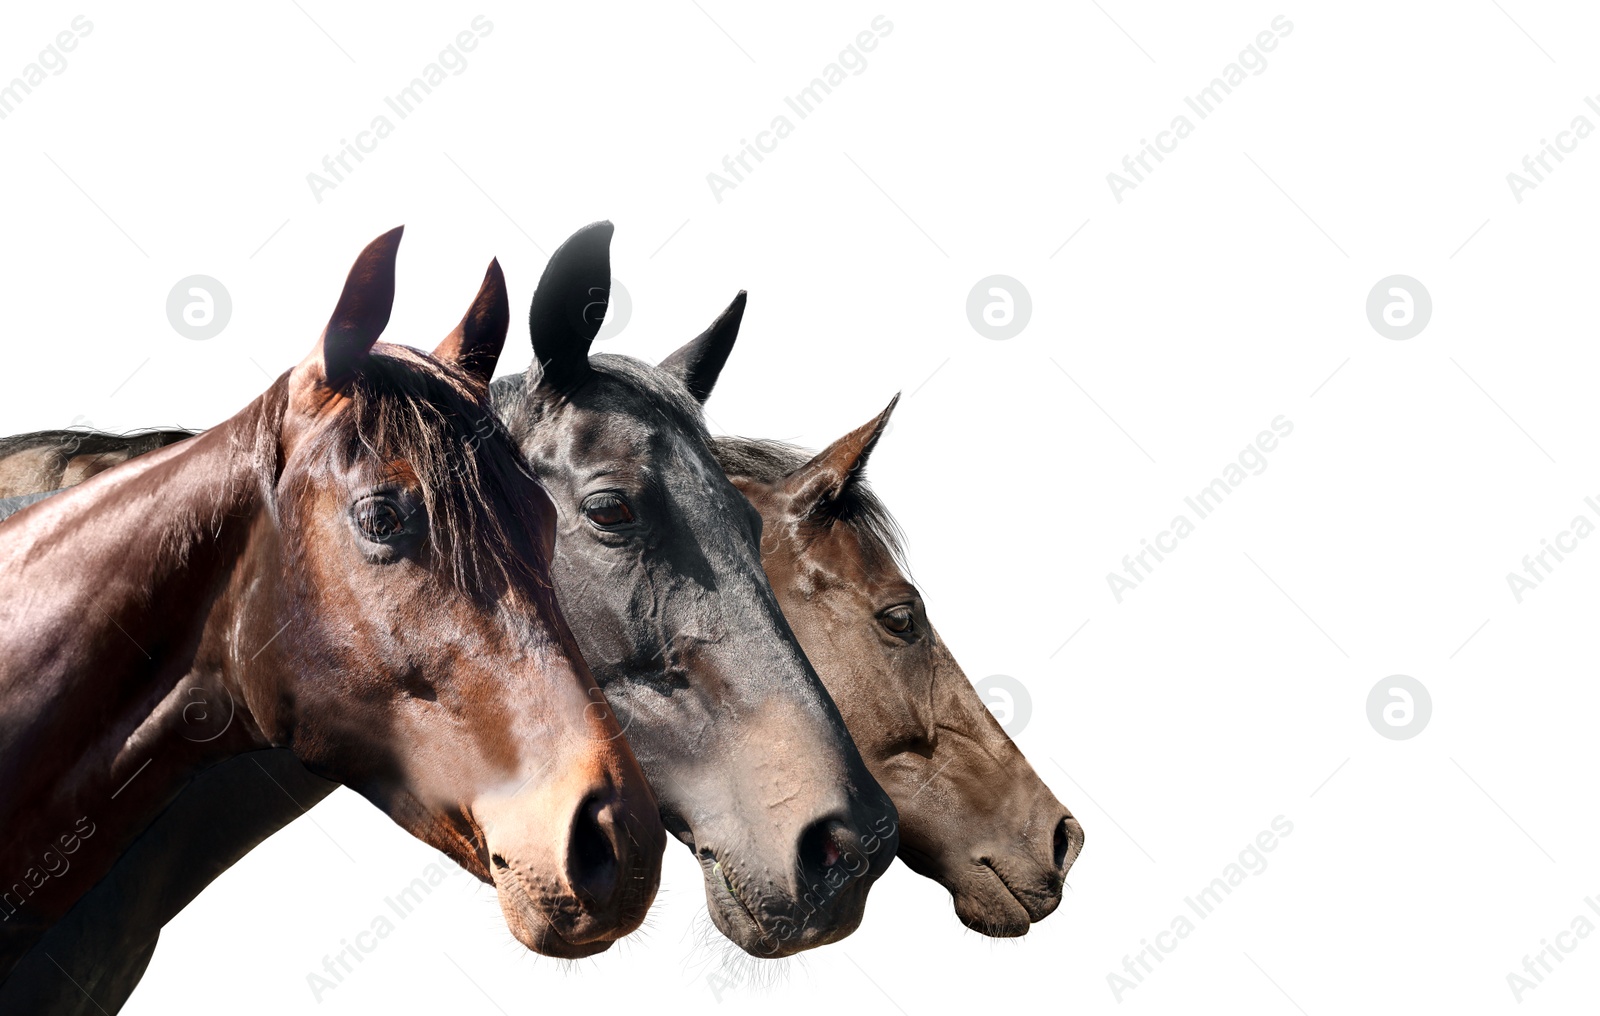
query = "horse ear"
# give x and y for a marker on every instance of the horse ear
(699, 361)
(360, 317)
(476, 343)
(819, 484)
(569, 306)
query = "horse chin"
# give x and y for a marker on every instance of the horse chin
(990, 901)
(984, 900)
(986, 904)
(553, 945)
(733, 918)
(537, 931)
(555, 927)
(738, 923)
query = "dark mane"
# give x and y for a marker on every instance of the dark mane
(481, 521)
(73, 441)
(771, 461)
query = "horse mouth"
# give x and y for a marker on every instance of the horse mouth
(722, 880)
(1034, 909)
(542, 935)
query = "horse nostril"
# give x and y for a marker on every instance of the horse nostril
(592, 865)
(1063, 843)
(819, 846)
(499, 862)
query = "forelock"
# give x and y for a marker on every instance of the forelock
(404, 404)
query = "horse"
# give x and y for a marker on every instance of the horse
(974, 816)
(705, 643)
(369, 502)
(658, 566)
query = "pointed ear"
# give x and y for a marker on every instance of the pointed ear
(358, 320)
(569, 306)
(818, 485)
(698, 362)
(476, 343)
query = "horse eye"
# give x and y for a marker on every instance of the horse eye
(607, 510)
(899, 620)
(379, 519)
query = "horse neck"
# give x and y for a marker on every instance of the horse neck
(113, 605)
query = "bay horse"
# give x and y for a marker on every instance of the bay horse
(357, 563)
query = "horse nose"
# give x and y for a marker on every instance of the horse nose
(596, 849)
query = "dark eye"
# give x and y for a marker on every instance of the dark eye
(899, 620)
(379, 519)
(608, 511)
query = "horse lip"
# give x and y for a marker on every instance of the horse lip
(989, 864)
(733, 893)
(709, 860)
(524, 897)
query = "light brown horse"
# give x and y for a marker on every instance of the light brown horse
(354, 568)
(974, 816)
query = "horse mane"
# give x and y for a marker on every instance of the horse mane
(76, 441)
(857, 505)
(404, 404)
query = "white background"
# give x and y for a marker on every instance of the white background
(1228, 288)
